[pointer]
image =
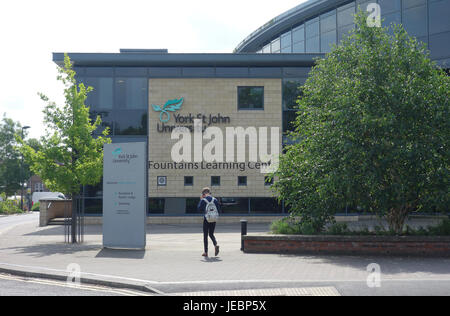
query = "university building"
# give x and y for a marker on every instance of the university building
(143, 95)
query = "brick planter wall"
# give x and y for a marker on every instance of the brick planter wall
(348, 245)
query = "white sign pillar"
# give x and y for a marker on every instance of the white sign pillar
(124, 195)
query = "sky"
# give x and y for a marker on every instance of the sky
(31, 30)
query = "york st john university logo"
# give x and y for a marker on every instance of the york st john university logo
(117, 152)
(170, 106)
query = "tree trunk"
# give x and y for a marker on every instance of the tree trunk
(396, 218)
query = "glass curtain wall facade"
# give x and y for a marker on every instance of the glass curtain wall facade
(119, 97)
(427, 20)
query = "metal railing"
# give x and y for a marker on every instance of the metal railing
(79, 225)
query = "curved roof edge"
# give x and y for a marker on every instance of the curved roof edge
(278, 24)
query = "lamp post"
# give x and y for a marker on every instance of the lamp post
(21, 172)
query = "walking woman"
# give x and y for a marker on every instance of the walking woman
(209, 207)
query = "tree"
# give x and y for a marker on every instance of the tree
(11, 176)
(70, 156)
(372, 131)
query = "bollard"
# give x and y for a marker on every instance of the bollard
(243, 232)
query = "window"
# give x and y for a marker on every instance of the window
(93, 206)
(439, 20)
(313, 45)
(130, 122)
(415, 21)
(388, 6)
(107, 120)
(191, 205)
(440, 45)
(391, 18)
(102, 95)
(38, 187)
(312, 28)
(413, 3)
(289, 118)
(286, 50)
(242, 181)
(291, 92)
(328, 21)
(188, 181)
(286, 40)
(344, 31)
(231, 205)
(276, 46)
(327, 40)
(156, 206)
(345, 17)
(299, 47)
(215, 181)
(162, 181)
(265, 206)
(131, 93)
(251, 98)
(91, 191)
(298, 34)
(363, 4)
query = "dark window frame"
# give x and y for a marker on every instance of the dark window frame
(120, 104)
(212, 182)
(239, 181)
(241, 107)
(186, 184)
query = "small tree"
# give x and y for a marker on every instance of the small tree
(70, 156)
(373, 131)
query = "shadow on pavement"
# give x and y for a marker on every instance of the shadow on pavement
(388, 264)
(210, 260)
(121, 254)
(40, 251)
(154, 229)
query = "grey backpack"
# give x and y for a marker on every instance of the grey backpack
(211, 212)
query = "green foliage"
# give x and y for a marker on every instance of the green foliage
(338, 229)
(11, 173)
(372, 131)
(285, 226)
(35, 207)
(443, 229)
(9, 207)
(69, 156)
(288, 226)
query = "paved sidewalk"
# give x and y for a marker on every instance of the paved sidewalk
(172, 261)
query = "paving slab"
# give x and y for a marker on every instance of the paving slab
(172, 261)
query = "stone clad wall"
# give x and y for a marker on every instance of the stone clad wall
(50, 209)
(209, 96)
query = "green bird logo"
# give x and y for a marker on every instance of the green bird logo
(170, 106)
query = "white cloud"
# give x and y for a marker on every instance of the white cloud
(32, 30)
